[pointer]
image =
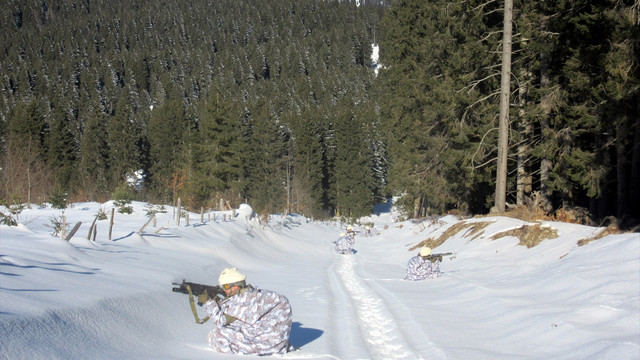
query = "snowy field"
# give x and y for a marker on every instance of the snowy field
(112, 299)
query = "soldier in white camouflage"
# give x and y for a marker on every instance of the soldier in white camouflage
(248, 321)
(344, 243)
(422, 266)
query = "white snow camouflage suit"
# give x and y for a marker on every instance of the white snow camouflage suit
(344, 244)
(419, 269)
(255, 321)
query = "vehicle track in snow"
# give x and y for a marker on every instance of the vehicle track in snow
(377, 326)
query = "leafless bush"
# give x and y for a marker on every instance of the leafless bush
(25, 175)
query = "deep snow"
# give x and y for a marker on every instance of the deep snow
(497, 299)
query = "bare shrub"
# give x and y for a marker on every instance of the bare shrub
(459, 213)
(574, 215)
(23, 173)
(527, 213)
(264, 216)
(609, 230)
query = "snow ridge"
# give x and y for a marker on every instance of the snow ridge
(378, 329)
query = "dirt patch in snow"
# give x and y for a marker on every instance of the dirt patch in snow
(473, 230)
(529, 235)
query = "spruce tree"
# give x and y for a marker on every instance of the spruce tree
(94, 156)
(219, 153)
(123, 140)
(308, 193)
(61, 150)
(353, 168)
(166, 134)
(439, 86)
(266, 167)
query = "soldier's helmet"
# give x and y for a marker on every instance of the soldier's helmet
(230, 276)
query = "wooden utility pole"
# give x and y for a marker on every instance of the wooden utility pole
(505, 90)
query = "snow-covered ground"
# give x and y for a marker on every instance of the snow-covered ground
(112, 299)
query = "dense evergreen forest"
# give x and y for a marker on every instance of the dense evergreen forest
(575, 119)
(277, 103)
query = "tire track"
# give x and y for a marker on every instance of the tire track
(377, 326)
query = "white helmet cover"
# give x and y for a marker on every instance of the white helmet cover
(230, 276)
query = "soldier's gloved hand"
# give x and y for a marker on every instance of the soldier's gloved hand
(203, 298)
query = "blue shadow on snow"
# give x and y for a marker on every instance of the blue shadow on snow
(301, 336)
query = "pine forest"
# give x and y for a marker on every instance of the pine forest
(280, 104)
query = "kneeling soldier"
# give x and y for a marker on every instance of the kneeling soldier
(248, 320)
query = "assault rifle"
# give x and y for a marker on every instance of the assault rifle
(197, 290)
(434, 257)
